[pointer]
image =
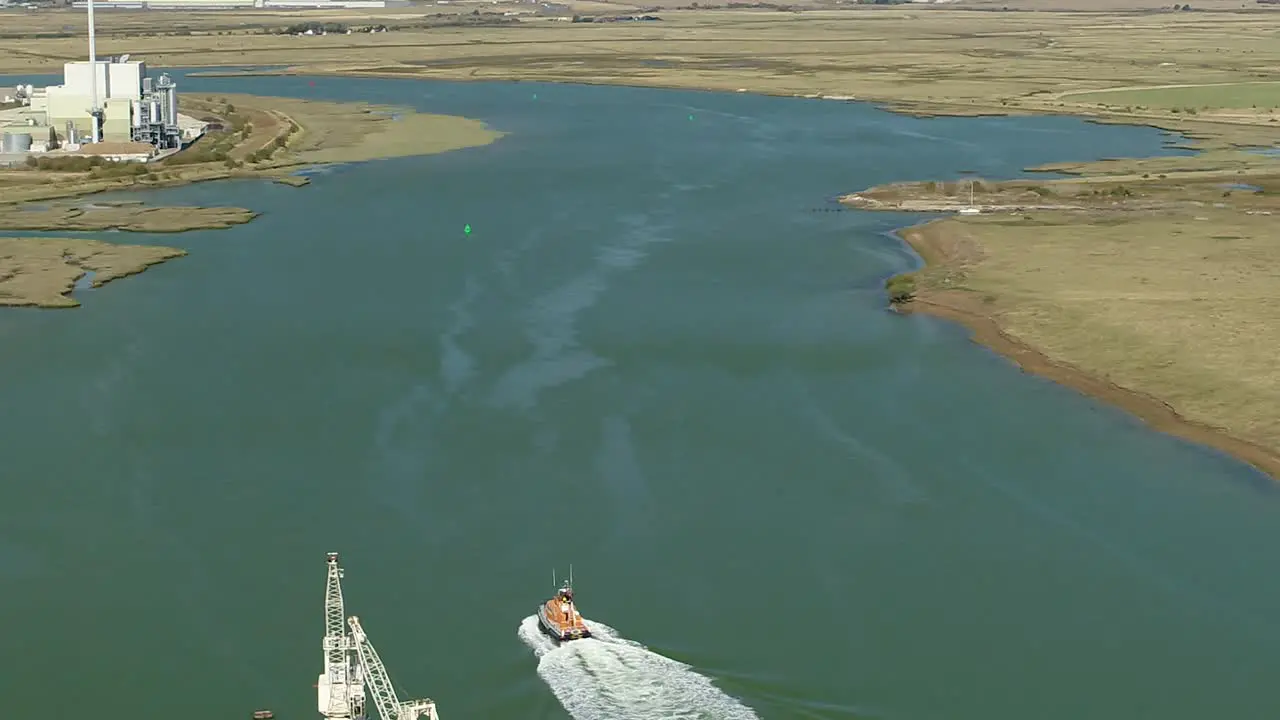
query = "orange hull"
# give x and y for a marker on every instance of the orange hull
(562, 621)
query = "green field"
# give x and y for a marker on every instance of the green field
(1261, 95)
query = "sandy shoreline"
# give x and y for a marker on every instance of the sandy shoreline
(930, 241)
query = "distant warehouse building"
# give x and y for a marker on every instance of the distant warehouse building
(238, 4)
(167, 4)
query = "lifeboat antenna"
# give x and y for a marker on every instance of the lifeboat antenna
(570, 574)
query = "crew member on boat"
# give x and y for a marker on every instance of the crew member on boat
(566, 604)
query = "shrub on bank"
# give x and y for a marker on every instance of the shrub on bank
(197, 156)
(66, 163)
(119, 169)
(901, 288)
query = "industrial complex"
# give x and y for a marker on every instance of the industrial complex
(241, 4)
(107, 108)
(110, 108)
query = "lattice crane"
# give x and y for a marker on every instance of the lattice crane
(375, 676)
(340, 690)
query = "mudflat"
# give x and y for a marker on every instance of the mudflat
(41, 272)
(131, 217)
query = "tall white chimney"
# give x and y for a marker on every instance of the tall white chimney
(94, 110)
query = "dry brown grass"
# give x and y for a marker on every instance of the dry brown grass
(342, 132)
(1184, 307)
(1169, 288)
(1179, 192)
(351, 132)
(923, 59)
(902, 53)
(138, 218)
(42, 271)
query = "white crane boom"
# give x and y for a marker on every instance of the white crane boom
(340, 690)
(375, 676)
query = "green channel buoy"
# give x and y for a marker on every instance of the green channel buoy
(467, 229)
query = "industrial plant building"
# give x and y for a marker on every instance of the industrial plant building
(240, 4)
(133, 109)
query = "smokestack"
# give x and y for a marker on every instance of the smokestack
(93, 78)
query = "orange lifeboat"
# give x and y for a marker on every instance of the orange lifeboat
(559, 617)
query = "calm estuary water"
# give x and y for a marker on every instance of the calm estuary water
(650, 359)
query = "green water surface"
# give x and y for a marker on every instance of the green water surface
(650, 358)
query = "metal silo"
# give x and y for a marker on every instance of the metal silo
(16, 142)
(172, 118)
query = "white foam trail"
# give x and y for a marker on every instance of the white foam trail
(894, 478)
(607, 677)
(101, 398)
(456, 366)
(933, 138)
(551, 322)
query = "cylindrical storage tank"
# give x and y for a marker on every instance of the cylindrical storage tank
(172, 118)
(16, 142)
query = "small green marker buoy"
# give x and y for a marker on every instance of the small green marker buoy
(467, 229)
(690, 117)
(535, 96)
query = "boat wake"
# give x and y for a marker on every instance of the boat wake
(607, 677)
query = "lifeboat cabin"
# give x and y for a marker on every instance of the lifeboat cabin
(559, 617)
